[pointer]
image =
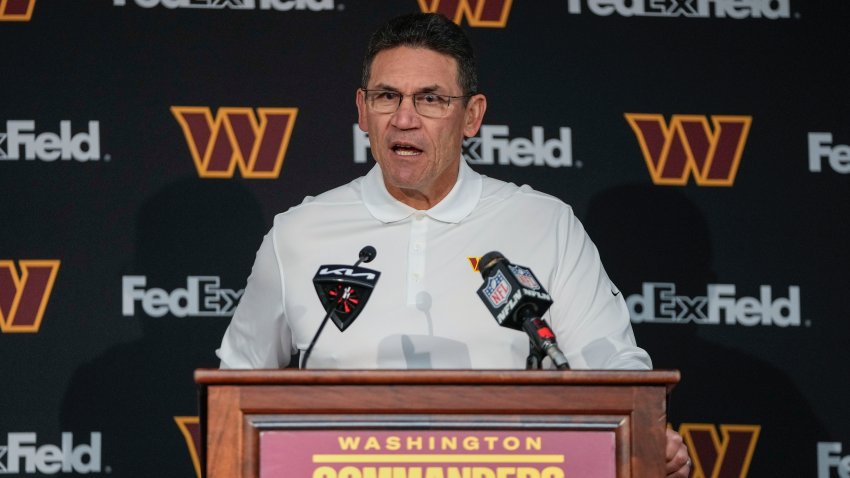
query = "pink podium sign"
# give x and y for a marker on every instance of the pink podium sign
(452, 453)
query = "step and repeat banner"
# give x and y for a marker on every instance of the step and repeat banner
(146, 145)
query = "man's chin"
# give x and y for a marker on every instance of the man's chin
(401, 177)
(409, 188)
(404, 185)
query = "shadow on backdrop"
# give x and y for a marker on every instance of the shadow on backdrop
(647, 233)
(132, 392)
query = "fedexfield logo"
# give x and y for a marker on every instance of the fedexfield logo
(493, 146)
(16, 10)
(235, 137)
(659, 303)
(21, 142)
(829, 458)
(24, 295)
(736, 9)
(689, 147)
(22, 455)
(202, 297)
(278, 5)
(821, 148)
(728, 453)
(478, 13)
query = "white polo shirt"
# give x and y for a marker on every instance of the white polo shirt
(424, 311)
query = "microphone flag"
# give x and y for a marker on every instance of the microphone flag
(345, 290)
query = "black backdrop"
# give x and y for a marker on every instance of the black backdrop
(742, 286)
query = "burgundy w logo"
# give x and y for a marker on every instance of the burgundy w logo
(478, 13)
(235, 137)
(190, 428)
(23, 297)
(16, 10)
(727, 455)
(689, 147)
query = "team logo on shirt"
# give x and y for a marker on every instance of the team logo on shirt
(497, 290)
(473, 261)
(16, 10)
(237, 137)
(24, 296)
(688, 146)
(478, 13)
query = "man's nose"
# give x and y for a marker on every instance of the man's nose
(406, 117)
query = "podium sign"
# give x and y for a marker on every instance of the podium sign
(433, 424)
(463, 453)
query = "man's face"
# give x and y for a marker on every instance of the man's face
(419, 156)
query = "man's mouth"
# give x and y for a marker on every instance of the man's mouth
(403, 149)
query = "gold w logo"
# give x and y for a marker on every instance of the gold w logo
(23, 298)
(16, 10)
(727, 455)
(235, 137)
(688, 146)
(478, 13)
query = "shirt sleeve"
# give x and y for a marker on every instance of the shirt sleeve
(589, 314)
(258, 335)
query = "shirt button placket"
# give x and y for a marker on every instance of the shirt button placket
(416, 256)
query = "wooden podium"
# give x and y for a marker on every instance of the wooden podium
(422, 413)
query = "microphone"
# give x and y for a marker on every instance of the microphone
(343, 291)
(366, 255)
(517, 301)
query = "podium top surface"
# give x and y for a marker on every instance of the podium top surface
(214, 377)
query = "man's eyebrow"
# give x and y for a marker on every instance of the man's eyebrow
(428, 89)
(424, 89)
(383, 86)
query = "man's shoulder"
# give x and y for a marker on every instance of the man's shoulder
(496, 192)
(340, 199)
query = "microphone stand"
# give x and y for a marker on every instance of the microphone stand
(540, 345)
(534, 361)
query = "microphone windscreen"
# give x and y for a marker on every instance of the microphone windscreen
(367, 254)
(488, 261)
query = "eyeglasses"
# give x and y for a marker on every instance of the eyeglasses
(430, 105)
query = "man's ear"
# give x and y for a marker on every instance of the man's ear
(360, 99)
(474, 115)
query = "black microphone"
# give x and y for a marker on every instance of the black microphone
(343, 291)
(517, 301)
(366, 255)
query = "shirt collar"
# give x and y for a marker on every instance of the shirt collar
(458, 204)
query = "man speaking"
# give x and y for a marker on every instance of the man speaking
(430, 218)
